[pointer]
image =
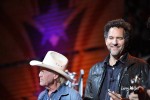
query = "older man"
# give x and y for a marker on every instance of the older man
(53, 78)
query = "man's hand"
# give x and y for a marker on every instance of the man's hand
(140, 95)
(114, 96)
(133, 96)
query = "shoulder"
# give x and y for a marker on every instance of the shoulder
(98, 66)
(96, 70)
(73, 93)
(137, 60)
(69, 89)
(41, 95)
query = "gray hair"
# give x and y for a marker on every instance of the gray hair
(61, 79)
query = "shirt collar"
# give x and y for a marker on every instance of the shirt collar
(59, 88)
(123, 59)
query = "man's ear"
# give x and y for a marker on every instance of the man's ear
(56, 76)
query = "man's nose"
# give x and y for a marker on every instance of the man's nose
(115, 42)
(40, 74)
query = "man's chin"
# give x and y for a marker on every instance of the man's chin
(41, 84)
(114, 53)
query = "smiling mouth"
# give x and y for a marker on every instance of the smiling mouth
(114, 48)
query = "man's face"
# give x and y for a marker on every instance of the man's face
(115, 41)
(46, 78)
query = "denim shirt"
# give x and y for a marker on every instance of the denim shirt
(62, 93)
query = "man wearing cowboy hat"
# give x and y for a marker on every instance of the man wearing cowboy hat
(53, 77)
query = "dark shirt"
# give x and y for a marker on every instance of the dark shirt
(111, 77)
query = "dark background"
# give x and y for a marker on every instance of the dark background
(29, 28)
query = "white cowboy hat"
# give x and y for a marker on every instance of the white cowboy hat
(55, 62)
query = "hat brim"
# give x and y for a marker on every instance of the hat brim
(41, 64)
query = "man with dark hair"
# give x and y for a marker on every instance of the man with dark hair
(120, 76)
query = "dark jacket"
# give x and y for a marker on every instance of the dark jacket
(132, 67)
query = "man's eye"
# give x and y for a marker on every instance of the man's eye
(110, 37)
(120, 38)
